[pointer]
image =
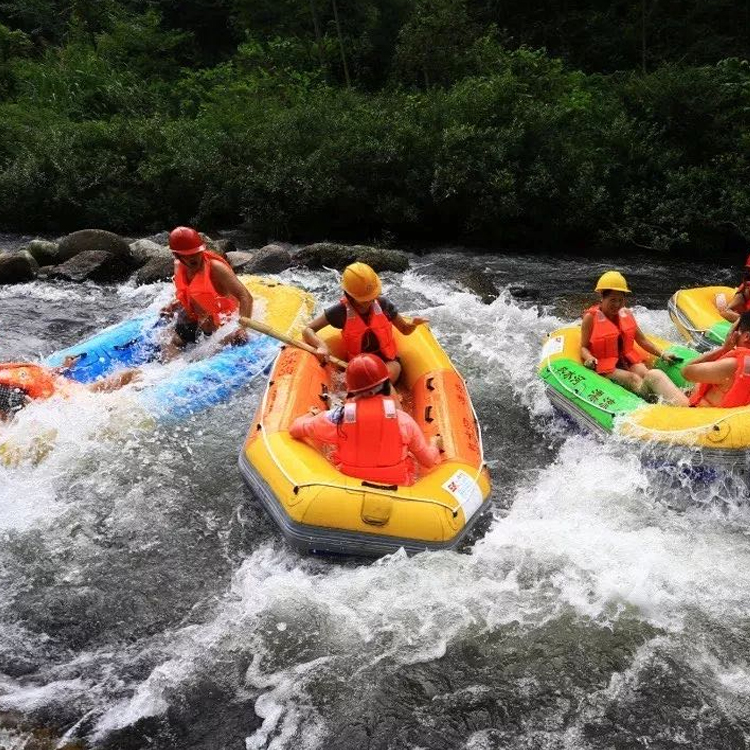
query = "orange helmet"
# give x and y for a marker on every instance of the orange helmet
(185, 241)
(365, 371)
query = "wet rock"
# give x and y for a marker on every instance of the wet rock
(45, 253)
(332, 255)
(221, 247)
(480, 284)
(94, 240)
(93, 265)
(270, 259)
(239, 260)
(159, 268)
(143, 251)
(18, 267)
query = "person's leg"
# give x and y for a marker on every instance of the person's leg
(658, 382)
(114, 382)
(184, 331)
(630, 380)
(394, 370)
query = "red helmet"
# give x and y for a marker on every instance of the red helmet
(186, 241)
(747, 262)
(365, 371)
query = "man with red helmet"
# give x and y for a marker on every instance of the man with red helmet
(207, 291)
(373, 438)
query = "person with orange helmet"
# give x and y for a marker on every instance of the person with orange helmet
(207, 292)
(609, 333)
(374, 440)
(24, 382)
(741, 301)
(365, 318)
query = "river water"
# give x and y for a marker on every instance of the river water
(147, 602)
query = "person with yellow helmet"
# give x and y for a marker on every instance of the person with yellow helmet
(365, 319)
(609, 333)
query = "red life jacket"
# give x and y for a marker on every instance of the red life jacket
(356, 327)
(741, 289)
(35, 381)
(371, 446)
(198, 295)
(739, 392)
(605, 340)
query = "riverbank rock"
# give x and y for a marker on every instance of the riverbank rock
(16, 268)
(239, 260)
(44, 252)
(270, 259)
(332, 255)
(144, 251)
(159, 268)
(94, 240)
(220, 247)
(93, 265)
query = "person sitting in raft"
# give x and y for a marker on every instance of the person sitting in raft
(207, 292)
(723, 375)
(741, 301)
(24, 382)
(366, 320)
(372, 437)
(609, 333)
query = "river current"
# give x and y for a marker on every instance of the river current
(146, 601)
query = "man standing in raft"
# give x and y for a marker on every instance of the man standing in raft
(207, 292)
(609, 333)
(366, 320)
(24, 382)
(723, 375)
(373, 438)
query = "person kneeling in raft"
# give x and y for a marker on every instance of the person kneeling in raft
(207, 292)
(609, 333)
(21, 383)
(373, 438)
(723, 375)
(365, 319)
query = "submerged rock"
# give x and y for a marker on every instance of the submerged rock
(94, 240)
(16, 268)
(480, 284)
(92, 265)
(332, 255)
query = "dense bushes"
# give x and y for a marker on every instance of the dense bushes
(119, 129)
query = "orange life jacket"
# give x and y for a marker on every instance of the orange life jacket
(198, 295)
(371, 446)
(739, 392)
(605, 340)
(356, 327)
(35, 381)
(741, 289)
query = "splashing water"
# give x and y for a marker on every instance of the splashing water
(146, 601)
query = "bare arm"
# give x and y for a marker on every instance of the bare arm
(735, 307)
(644, 343)
(407, 327)
(228, 285)
(710, 372)
(310, 335)
(587, 325)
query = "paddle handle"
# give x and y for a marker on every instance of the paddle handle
(268, 331)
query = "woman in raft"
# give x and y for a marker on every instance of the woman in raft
(609, 333)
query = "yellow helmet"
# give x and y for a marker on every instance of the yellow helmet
(360, 282)
(612, 280)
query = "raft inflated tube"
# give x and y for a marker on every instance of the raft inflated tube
(721, 435)
(319, 509)
(695, 314)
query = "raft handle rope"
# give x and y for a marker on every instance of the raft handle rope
(334, 485)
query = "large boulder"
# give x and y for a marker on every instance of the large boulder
(332, 255)
(480, 284)
(45, 253)
(221, 247)
(239, 260)
(143, 251)
(159, 268)
(93, 265)
(16, 268)
(94, 240)
(270, 259)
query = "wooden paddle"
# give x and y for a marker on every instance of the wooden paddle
(268, 331)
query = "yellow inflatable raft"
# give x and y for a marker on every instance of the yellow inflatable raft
(721, 436)
(321, 510)
(695, 314)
